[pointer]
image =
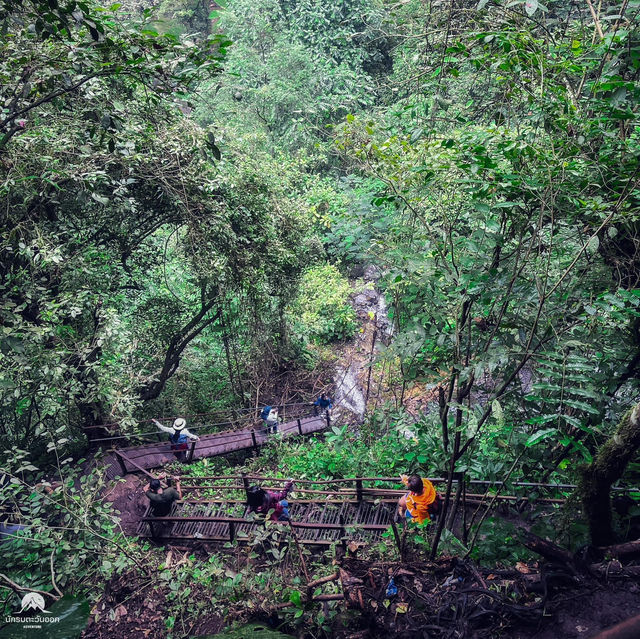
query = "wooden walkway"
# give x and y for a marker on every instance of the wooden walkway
(141, 458)
(322, 512)
(314, 522)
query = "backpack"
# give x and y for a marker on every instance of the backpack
(265, 413)
(178, 438)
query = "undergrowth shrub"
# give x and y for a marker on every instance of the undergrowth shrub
(321, 311)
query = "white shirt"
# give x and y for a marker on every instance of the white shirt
(171, 430)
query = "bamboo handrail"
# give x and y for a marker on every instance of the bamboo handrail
(125, 459)
(396, 480)
(297, 501)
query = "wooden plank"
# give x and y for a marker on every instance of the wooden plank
(224, 539)
(331, 517)
(219, 528)
(319, 514)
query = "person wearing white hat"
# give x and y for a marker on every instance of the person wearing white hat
(179, 436)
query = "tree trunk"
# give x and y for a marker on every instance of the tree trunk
(177, 345)
(608, 466)
(93, 414)
(227, 351)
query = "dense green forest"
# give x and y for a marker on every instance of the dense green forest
(193, 198)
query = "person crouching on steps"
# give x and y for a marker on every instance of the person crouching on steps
(416, 503)
(322, 404)
(161, 501)
(179, 437)
(262, 501)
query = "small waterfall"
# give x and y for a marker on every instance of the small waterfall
(349, 395)
(368, 304)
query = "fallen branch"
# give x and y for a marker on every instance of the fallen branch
(629, 629)
(546, 548)
(53, 574)
(614, 569)
(622, 550)
(17, 587)
(478, 576)
(324, 580)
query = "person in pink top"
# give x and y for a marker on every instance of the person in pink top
(262, 501)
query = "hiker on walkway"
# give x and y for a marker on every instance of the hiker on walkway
(179, 437)
(322, 404)
(162, 499)
(416, 503)
(270, 419)
(262, 501)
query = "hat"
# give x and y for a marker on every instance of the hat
(179, 424)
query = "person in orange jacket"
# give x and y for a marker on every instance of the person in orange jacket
(415, 504)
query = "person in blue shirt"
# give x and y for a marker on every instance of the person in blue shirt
(270, 419)
(322, 404)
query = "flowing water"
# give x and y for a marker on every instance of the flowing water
(369, 304)
(349, 395)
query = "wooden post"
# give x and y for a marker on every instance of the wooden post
(359, 489)
(123, 466)
(299, 426)
(397, 537)
(245, 483)
(302, 561)
(452, 513)
(232, 530)
(192, 451)
(343, 535)
(465, 532)
(253, 438)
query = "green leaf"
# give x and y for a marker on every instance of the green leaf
(540, 436)
(574, 422)
(541, 419)
(497, 412)
(545, 386)
(586, 392)
(593, 244)
(574, 403)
